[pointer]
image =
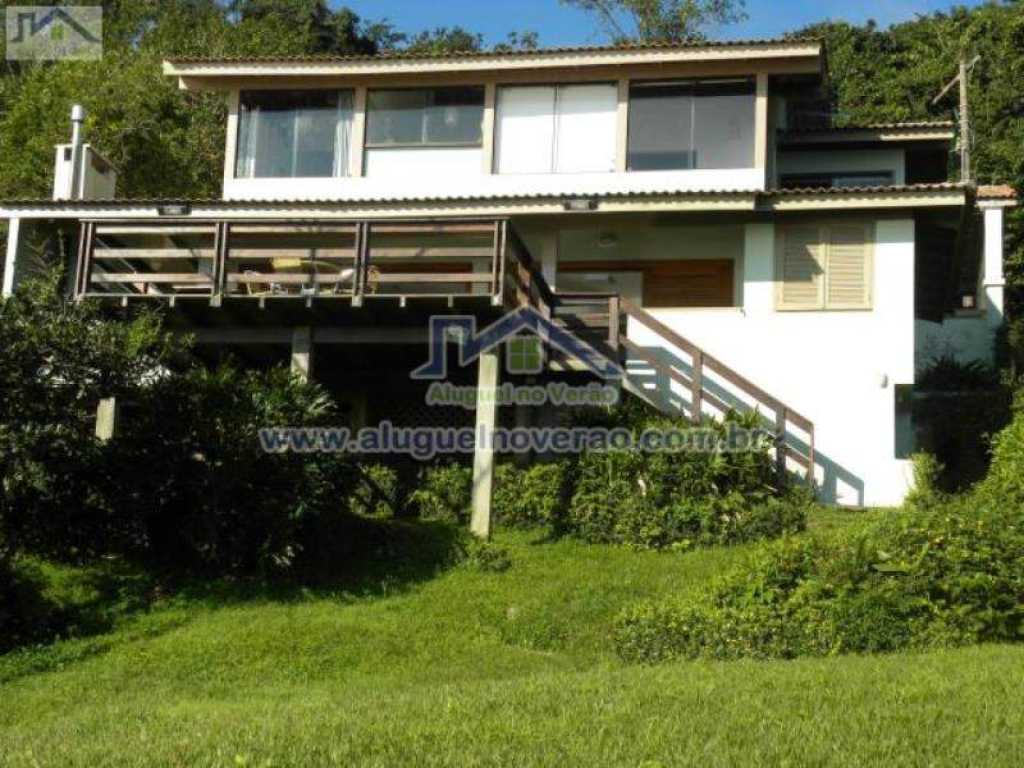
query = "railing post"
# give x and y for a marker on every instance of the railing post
(500, 247)
(780, 444)
(810, 459)
(614, 315)
(359, 267)
(697, 387)
(85, 235)
(220, 262)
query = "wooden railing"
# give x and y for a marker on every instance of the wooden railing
(703, 393)
(172, 259)
(602, 320)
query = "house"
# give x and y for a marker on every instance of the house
(685, 207)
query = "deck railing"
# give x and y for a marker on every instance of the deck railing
(354, 260)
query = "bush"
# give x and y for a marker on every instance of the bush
(535, 496)
(445, 493)
(684, 498)
(949, 576)
(377, 492)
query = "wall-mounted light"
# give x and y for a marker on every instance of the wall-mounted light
(580, 204)
(967, 301)
(174, 209)
(607, 240)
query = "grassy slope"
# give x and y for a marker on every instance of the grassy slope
(479, 668)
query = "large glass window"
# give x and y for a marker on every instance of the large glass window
(293, 134)
(686, 125)
(441, 116)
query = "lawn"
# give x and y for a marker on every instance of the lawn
(418, 664)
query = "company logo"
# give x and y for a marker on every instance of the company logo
(45, 33)
(524, 331)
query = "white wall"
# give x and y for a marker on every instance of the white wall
(838, 368)
(397, 178)
(844, 161)
(404, 163)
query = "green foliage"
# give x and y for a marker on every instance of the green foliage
(1005, 481)
(660, 20)
(488, 557)
(951, 576)
(948, 374)
(444, 492)
(945, 571)
(377, 492)
(927, 473)
(534, 496)
(683, 498)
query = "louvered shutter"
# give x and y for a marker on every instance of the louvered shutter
(849, 267)
(801, 268)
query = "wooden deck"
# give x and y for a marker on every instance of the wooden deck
(298, 261)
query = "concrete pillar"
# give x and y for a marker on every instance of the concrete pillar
(14, 235)
(106, 419)
(483, 456)
(302, 352)
(993, 281)
(758, 268)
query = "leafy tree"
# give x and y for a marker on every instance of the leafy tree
(660, 20)
(445, 40)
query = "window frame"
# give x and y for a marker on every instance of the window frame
(239, 128)
(368, 144)
(823, 304)
(694, 87)
(556, 89)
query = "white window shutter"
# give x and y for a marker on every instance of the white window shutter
(525, 129)
(586, 128)
(801, 268)
(849, 266)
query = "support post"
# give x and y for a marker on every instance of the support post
(993, 281)
(483, 455)
(302, 352)
(106, 419)
(780, 444)
(11, 262)
(761, 127)
(697, 387)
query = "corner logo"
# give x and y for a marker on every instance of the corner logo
(524, 331)
(45, 33)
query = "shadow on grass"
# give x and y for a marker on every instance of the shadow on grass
(49, 602)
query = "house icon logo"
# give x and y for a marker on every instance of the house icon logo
(42, 33)
(525, 333)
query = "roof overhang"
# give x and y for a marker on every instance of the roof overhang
(775, 56)
(907, 133)
(878, 198)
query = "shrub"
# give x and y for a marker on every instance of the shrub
(445, 493)
(1005, 481)
(927, 474)
(377, 492)
(537, 495)
(949, 576)
(690, 497)
(487, 557)
(948, 374)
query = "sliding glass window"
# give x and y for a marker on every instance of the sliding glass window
(425, 117)
(689, 125)
(293, 134)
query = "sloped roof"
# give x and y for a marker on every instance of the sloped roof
(996, 192)
(517, 53)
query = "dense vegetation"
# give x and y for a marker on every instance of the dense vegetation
(945, 571)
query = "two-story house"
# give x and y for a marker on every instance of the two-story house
(679, 202)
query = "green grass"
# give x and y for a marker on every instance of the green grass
(461, 667)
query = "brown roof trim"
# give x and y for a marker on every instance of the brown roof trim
(996, 192)
(908, 190)
(910, 125)
(486, 55)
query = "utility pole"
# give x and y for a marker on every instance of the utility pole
(965, 119)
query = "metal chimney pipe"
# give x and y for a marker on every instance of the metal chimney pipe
(77, 118)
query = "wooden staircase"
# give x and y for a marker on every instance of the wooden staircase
(711, 388)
